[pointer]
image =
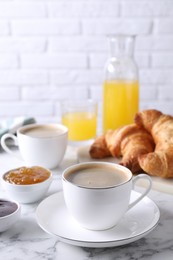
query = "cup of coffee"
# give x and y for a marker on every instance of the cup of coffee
(97, 194)
(39, 144)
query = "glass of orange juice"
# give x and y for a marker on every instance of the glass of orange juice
(80, 116)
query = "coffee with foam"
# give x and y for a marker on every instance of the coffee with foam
(97, 177)
(43, 131)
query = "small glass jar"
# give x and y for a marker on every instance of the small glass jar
(121, 86)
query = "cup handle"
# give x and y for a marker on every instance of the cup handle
(6, 147)
(137, 178)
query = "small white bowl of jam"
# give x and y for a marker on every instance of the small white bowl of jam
(27, 184)
(10, 212)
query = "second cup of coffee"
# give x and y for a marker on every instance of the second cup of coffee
(39, 144)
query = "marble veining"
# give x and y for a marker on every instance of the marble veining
(26, 240)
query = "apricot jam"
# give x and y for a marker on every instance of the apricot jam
(27, 175)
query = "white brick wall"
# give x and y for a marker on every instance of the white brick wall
(52, 50)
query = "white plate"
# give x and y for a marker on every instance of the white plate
(53, 217)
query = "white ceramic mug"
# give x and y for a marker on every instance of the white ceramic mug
(39, 144)
(97, 194)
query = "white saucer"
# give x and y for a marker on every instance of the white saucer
(53, 217)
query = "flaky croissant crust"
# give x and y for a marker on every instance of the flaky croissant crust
(146, 145)
(127, 142)
(160, 126)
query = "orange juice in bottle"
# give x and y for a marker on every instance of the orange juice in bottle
(121, 87)
(120, 101)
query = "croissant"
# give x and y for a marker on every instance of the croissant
(99, 149)
(160, 162)
(127, 142)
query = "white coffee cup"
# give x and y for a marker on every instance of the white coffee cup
(97, 194)
(39, 144)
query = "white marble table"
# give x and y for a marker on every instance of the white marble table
(26, 240)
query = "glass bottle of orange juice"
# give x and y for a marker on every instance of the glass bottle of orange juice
(121, 86)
